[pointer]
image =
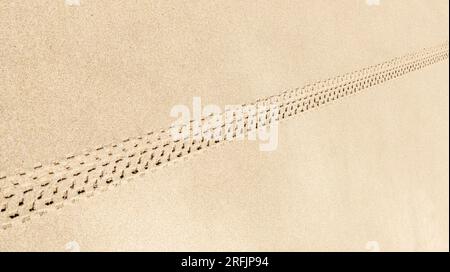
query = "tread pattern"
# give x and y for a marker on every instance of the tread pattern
(32, 193)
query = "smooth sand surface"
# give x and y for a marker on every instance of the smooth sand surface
(370, 172)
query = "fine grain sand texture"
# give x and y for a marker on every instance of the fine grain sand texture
(366, 172)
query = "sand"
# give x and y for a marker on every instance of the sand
(369, 172)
